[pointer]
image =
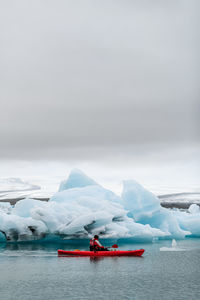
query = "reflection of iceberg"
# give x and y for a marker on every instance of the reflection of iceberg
(82, 208)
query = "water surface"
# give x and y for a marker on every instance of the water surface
(34, 271)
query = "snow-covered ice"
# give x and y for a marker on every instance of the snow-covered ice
(82, 208)
(15, 188)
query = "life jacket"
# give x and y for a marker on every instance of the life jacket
(95, 244)
(92, 242)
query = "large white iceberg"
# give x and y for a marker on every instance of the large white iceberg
(82, 208)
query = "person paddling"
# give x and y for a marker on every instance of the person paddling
(95, 245)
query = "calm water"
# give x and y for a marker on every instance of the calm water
(35, 272)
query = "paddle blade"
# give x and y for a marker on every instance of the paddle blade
(115, 246)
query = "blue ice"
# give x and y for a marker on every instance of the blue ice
(82, 208)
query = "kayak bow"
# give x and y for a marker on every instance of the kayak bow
(101, 253)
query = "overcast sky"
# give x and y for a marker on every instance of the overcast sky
(97, 74)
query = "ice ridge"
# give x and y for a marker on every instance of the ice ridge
(82, 208)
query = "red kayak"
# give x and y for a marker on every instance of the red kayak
(101, 253)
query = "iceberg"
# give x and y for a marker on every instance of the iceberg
(144, 207)
(76, 179)
(82, 208)
(5, 207)
(190, 220)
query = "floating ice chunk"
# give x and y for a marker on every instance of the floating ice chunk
(144, 207)
(76, 179)
(174, 243)
(194, 209)
(138, 201)
(174, 247)
(189, 222)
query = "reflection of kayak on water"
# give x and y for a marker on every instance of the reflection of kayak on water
(101, 253)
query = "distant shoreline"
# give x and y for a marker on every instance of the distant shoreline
(171, 204)
(180, 205)
(14, 201)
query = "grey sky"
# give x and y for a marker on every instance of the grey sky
(97, 73)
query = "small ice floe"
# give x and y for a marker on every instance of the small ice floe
(194, 209)
(174, 247)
